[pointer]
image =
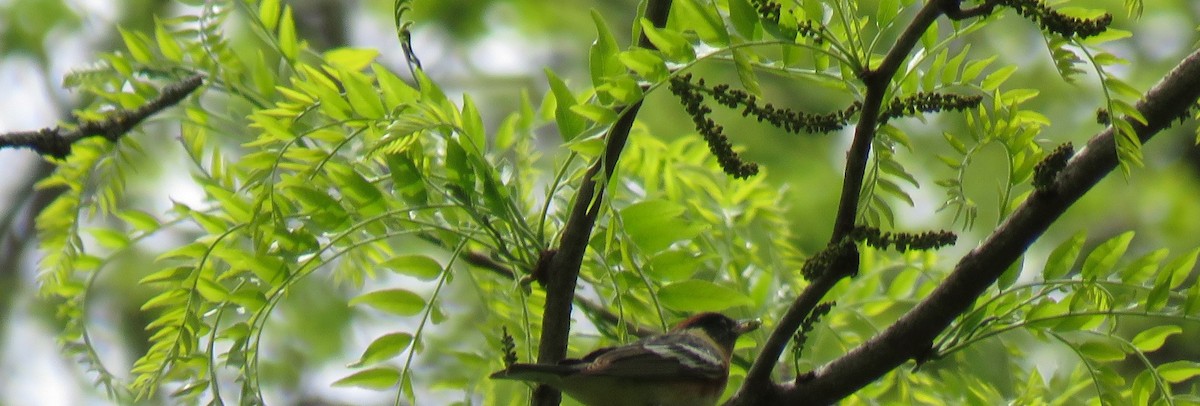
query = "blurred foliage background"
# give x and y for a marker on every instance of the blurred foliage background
(493, 49)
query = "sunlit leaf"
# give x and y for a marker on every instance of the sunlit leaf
(419, 266)
(383, 348)
(1153, 338)
(1063, 257)
(396, 301)
(700, 296)
(374, 378)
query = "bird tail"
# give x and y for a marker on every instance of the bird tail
(537, 373)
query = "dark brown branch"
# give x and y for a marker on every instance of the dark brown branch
(56, 141)
(758, 385)
(911, 336)
(564, 267)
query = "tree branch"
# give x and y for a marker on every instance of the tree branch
(564, 266)
(758, 385)
(911, 336)
(57, 141)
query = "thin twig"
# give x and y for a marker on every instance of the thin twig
(57, 141)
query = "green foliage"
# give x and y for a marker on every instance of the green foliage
(332, 167)
(1086, 309)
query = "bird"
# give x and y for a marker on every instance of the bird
(687, 366)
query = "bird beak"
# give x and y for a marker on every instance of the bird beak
(746, 326)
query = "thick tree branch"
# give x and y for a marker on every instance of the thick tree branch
(911, 336)
(57, 141)
(564, 267)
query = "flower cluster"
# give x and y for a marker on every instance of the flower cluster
(1058, 23)
(767, 9)
(810, 29)
(770, 10)
(509, 346)
(928, 102)
(1047, 170)
(787, 119)
(822, 260)
(1102, 116)
(713, 133)
(903, 241)
(806, 327)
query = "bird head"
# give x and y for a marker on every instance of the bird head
(719, 327)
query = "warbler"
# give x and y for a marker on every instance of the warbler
(687, 366)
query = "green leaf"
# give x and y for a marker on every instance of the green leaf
(472, 125)
(673, 265)
(1179, 371)
(458, 167)
(169, 297)
(1101, 260)
(191, 389)
(974, 68)
(993, 80)
(887, 10)
(704, 20)
(602, 57)
(597, 114)
(211, 290)
(1063, 256)
(700, 296)
(419, 266)
(166, 43)
(1142, 389)
(1153, 338)
(351, 59)
(1010, 275)
(902, 285)
(395, 91)
(1180, 268)
(654, 224)
(1142, 269)
(621, 89)
(289, 44)
(745, 70)
(361, 94)
(570, 125)
(743, 18)
(354, 186)
(396, 301)
(268, 13)
(374, 378)
(140, 220)
(109, 238)
(1109, 34)
(646, 63)
(671, 43)
(172, 274)
(1101, 350)
(1192, 304)
(138, 45)
(384, 348)
(930, 37)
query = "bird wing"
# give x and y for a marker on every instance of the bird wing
(681, 355)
